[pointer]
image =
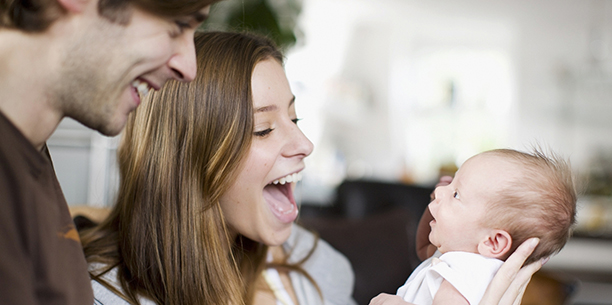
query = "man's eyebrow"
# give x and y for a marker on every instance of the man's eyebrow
(199, 16)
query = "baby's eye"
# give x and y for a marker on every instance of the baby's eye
(456, 194)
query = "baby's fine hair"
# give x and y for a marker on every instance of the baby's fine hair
(541, 202)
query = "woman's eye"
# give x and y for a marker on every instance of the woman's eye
(456, 195)
(295, 121)
(263, 133)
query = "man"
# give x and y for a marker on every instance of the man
(91, 60)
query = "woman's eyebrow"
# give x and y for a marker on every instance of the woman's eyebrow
(266, 108)
(273, 107)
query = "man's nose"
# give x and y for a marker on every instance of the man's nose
(183, 62)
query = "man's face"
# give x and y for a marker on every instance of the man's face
(108, 67)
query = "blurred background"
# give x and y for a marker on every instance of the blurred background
(403, 91)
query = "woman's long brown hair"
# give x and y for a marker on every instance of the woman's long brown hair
(180, 152)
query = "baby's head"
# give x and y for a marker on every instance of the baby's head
(500, 198)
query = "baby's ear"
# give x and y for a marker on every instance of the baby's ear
(496, 244)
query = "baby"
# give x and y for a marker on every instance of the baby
(497, 200)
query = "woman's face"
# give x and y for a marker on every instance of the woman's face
(260, 203)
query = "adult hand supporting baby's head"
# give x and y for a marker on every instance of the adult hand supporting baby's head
(388, 299)
(511, 280)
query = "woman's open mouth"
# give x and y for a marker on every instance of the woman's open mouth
(279, 196)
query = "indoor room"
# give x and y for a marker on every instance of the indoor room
(395, 94)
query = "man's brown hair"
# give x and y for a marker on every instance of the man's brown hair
(37, 15)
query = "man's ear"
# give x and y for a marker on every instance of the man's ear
(74, 6)
(497, 244)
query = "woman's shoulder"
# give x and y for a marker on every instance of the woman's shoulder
(330, 269)
(301, 243)
(103, 295)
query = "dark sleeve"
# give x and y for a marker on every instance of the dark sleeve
(17, 281)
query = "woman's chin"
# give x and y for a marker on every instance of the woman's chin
(278, 237)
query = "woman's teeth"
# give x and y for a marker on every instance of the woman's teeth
(289, 178)
(142, 87)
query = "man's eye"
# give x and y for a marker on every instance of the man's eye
(182, 26)
(263, 133)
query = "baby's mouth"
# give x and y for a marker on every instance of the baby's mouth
(433, 221)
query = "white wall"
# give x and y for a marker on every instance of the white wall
(353, 75)
(85, 164)
(362, 52)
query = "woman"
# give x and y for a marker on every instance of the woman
(205, 206)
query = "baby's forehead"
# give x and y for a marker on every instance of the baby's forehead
(503, 163)
(491, 162)
(490, 170)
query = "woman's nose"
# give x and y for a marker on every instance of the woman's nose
(299, 144)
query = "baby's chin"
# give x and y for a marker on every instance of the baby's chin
(434, 243)
(441, 248)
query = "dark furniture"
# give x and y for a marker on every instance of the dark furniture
(374, 225)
